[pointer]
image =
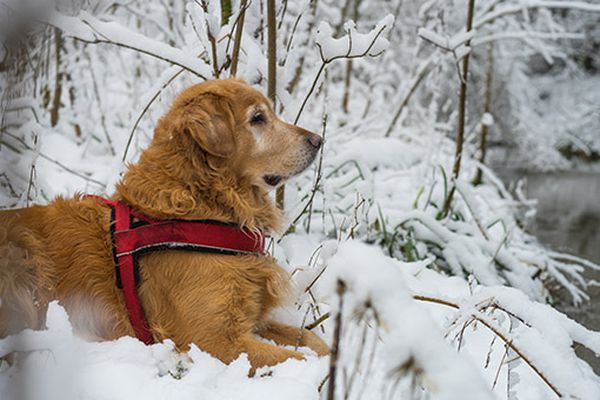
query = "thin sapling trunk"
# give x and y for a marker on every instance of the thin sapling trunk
(486, 110)
(237, 41)
(462, 106)
(272, 75)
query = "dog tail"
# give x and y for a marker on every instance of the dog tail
(19, 278)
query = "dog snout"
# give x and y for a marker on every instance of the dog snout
(315, 140)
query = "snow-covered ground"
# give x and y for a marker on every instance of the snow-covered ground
(453, 307)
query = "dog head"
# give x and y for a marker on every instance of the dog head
(228, 124)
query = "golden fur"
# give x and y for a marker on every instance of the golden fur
(214, 155)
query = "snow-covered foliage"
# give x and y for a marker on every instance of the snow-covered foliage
(428, 306)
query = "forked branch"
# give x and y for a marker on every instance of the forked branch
(325, 61)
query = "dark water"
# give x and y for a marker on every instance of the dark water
(568, 215)
(568, 220)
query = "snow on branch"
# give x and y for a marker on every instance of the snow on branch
(351, 45)
(539, 335)
(89, 29)
(461, 42)
(542, 336)
(526, 35)
(457, 43)
(446, 43)
(516, 8)
(379, 282)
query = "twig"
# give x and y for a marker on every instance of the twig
(369, 367)
(54, 112)
(427, 68)
(474, 215)
(344, 14)
(311, 24)
(517, 8)
(30, 183)
(237, 41)
(524, 35)
(111, 148)
(488, 357)
(318, 322)
(290, 40)
(145, 109)
(486, 109)
(230, 38)
(502, 242)
(324, 63)
(302, 327)
(7, 184)
(349, 63)
(272, 76)
(211, 39)
(59, 164)
(283, 9)
(316, 185)
(506, 340)
(335, 347)
(312, 283)
(500, 365)
(357, 360)
(179, 58)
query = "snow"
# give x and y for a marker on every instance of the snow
(430, 302)
(70, 368)
(111, 32)
(353, 44)
(487, 119)
(93, 370)
(72, 26)
(372, 277)
(435, 38)
(444, 42)
(511, 8)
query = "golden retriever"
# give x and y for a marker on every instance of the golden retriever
(215, 155)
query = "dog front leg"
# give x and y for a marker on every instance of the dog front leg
(287, 335)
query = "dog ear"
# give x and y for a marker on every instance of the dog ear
(210, 123)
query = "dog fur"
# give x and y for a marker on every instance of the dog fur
(215, 155)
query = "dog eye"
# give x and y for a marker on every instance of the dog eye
(257, 118)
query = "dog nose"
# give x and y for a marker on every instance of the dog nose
(315, 140)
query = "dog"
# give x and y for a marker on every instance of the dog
(215, 155)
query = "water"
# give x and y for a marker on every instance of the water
(568, 217)
(568, 220)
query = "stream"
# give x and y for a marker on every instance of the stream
(568, 220)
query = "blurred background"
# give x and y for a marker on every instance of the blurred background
(512, 87)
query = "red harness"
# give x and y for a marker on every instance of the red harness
(134, 234)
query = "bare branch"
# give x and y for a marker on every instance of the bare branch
(147, 107)
(325, 61)
(508, 341)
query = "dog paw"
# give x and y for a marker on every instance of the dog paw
(315, 343)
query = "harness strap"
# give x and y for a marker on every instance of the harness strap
(131, 239)
(188, 235)
(127, 273)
